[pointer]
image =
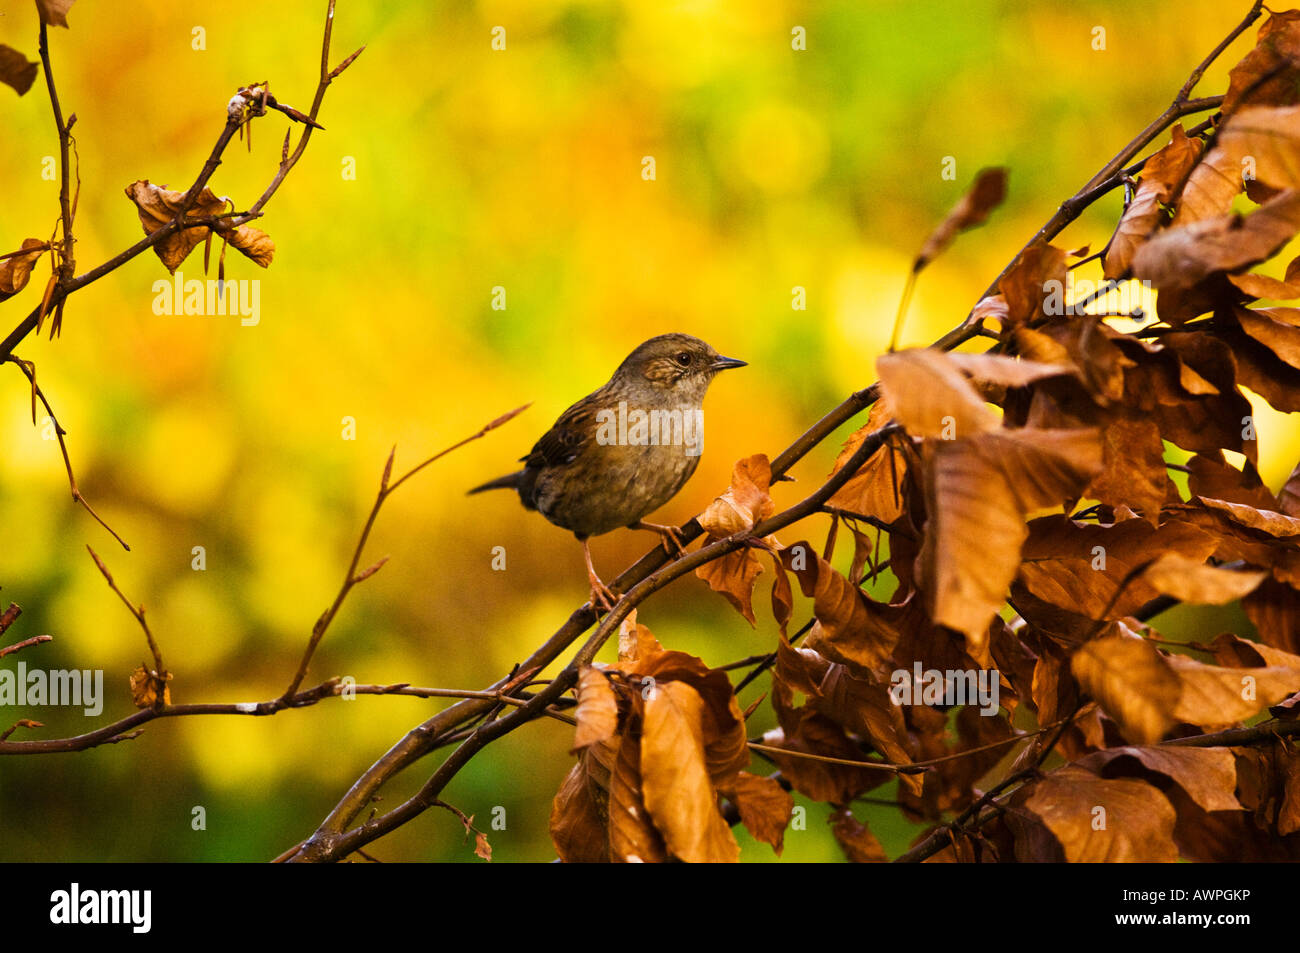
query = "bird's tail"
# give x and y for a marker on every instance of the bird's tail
(508, 482)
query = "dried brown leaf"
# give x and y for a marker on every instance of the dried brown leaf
(675, 782)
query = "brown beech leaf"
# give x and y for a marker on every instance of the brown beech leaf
(597, 711)
(1266, 521)
(1208, 775)
(852, 628)
(1261, 140)
(253, 243)
(1210, 475)
(636, 643)
(978, 491)
(1133, 470)
(930, 397)
(1131, 681)
(1081, 567)
(15, 271)
(157, 206)
(577, 830)
(54, 12)
(875, 490)
(1262, 286)
(1270, 72)
(674, 780)
(1288, 498)
(1163, 176)
(746, 501)
(632, 836)
(765, 807)
(1096, 820)
(144, 688)
(15, 70)
(1005, 371)
(821, 780)
(1274, 609)
(1213, 695)
(734, 575)
(855, 838)
(1278, 329)
(1181, 256)
(1030, 280)
(1235, 652)
(986, 194)
(1189, 580)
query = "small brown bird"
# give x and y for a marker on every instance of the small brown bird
(625, 450)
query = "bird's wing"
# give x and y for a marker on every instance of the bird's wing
(567, 439)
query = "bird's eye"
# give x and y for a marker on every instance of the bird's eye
(684, 359)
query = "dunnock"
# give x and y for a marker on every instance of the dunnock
(625, 450)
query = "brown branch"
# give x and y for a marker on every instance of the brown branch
(20, 723)
(353, 576)
(129, 726)
(29, 369)
(160, 671)
(235, 118)
(25, 643)
(8, 617)
(67, 264)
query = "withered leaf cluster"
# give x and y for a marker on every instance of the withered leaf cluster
(1026, 512)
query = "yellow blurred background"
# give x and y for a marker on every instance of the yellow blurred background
(475, 169)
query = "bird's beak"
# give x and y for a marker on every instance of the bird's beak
(724, 363)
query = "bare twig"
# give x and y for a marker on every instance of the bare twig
(353, 576)
(160, 671)
(29, 369)
(25, 643)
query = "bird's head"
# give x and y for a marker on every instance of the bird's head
(679, 363)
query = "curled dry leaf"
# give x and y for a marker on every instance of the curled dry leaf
(746, 501)
(1278, 329)
(765, 807)
(1181, 256)
(1212, 695)
(986, 194)
(1138, 820)
(632, 836)
(1188, 580)
(1131, 680)
(1263, 141)
(1163, 176)
(1208, 775)
(930, 396)
(675, 782)
(597, 711)
(1038, 271)
(15, 70)
(157, 206)
(978, 492)
(875, 490)
(54, 12)
(855, 838)
(144, 688)
(15, 271)
(577, 827)
(1262, 286)
(852, 628)
(745, 504)
(1270, 73)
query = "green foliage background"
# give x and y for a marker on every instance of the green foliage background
(474, 169)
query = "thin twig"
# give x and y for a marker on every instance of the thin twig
(29, 369)
(353, 576)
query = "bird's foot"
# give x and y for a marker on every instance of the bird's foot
(602, 597)
(670, 535)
